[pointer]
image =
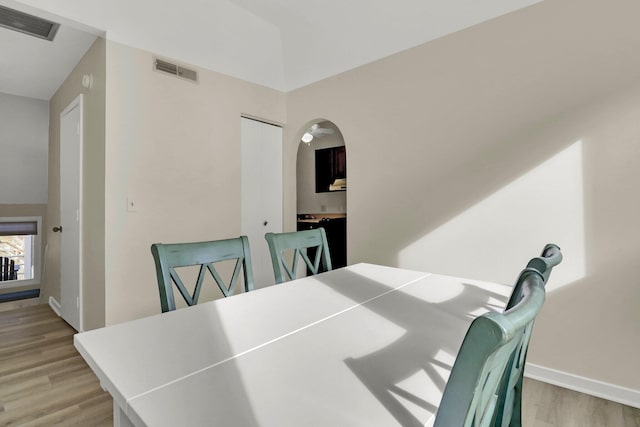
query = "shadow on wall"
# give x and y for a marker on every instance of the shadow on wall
(545, 205)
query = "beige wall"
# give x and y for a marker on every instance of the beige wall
(93, 184)
(173, 147)
(590, 327)
(496, 140)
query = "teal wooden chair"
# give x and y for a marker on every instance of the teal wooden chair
(297, 244)
(485, 385)
(168, 257)
(509, 411)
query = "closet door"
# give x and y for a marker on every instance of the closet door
(261, 187)
(70, 227)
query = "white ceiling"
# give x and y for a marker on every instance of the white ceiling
(34, 67)
(282, 44)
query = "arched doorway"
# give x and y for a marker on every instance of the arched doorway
(321, 177)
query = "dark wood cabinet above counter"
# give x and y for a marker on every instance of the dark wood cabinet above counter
(331, 169)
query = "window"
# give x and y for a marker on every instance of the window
(20, 250)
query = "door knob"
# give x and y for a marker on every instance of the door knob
(57, 229)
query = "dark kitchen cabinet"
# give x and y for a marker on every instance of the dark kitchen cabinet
(336, 230)
(331, 164)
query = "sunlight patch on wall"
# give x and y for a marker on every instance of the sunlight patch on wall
(494, 239)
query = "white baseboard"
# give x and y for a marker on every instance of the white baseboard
(55, 305)
(612, 392)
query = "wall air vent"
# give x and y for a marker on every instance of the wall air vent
(27, 24)
(176, 70)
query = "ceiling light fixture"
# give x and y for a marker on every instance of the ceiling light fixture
(307, 138)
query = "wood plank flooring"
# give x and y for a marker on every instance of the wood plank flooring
(43, 379)
(545, 405)
(45, 382)
(14, 305)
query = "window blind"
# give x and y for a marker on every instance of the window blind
(18, 228)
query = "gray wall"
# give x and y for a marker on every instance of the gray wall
(24, 138)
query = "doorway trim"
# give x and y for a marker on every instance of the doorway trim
(335, 211)
(261, 187)
(78, 102)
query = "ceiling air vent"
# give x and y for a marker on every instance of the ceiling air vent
(27, 24)
(176, 70)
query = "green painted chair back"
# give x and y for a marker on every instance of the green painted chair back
(168, 257)
(296, 244)
(484, 388)
(509, 411)
(550, 257)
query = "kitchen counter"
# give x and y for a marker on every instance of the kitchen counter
(317, 217)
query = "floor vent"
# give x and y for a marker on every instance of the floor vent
(27, 24)
(176, 70)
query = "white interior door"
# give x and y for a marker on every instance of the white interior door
(70, 213)
(261, 183)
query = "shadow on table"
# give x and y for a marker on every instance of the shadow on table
(174, 393)
(400, 374)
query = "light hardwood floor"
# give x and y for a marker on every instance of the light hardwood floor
(13, 305)
(43, 379)
(44, 382)
(545, 405)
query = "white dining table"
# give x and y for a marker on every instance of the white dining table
(364, 345)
